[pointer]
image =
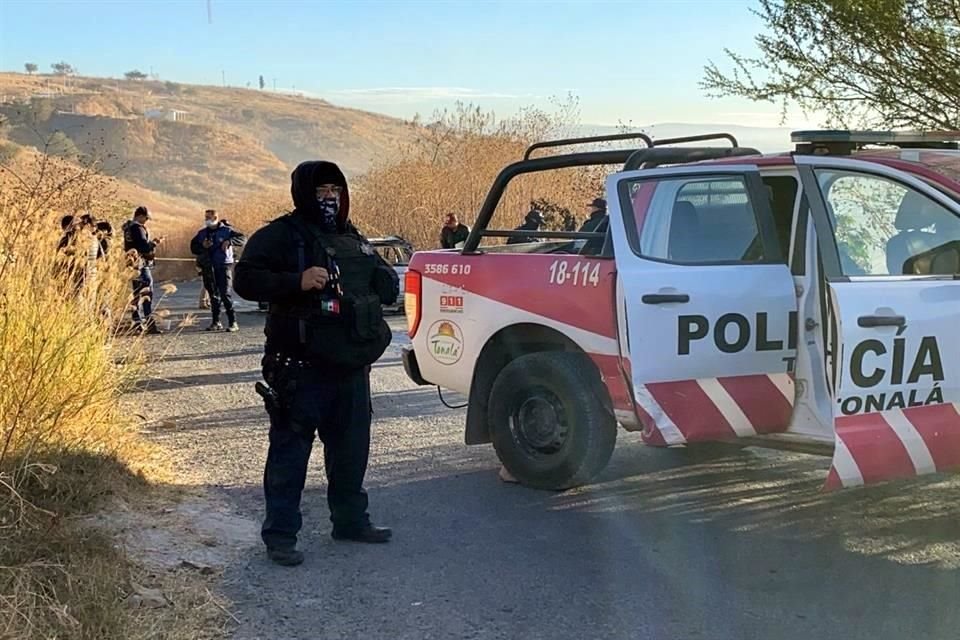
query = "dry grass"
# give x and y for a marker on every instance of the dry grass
(65, 444)
(448, 167)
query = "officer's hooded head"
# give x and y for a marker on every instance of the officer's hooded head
(320, 194)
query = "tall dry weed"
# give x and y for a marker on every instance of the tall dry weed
(63, 437)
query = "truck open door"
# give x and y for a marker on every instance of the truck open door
(708, 307)
(890, 251)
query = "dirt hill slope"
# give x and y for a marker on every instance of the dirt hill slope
(198, 142)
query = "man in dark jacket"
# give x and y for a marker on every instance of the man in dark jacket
(138, 245)
(532, 222)
(597, 222)
(597, 213)
(213, 245)
(453, 233)
(325, 285)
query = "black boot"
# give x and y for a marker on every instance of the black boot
(152, 328)
(285, 557)
(369, 534)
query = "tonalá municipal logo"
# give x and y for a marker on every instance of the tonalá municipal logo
(445, 341)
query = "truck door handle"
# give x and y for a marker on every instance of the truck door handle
(664, 298)
(881, 321)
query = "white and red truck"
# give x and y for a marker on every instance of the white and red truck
(805, 300)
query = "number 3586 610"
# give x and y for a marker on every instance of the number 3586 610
(444, 269)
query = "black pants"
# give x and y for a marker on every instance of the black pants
(143, 297)
(339, 412)
(218, 280)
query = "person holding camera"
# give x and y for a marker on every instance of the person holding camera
(213, 245)
(142, 252)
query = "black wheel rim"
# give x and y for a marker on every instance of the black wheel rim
(539, 423)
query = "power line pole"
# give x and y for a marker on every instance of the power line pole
(209, 13)
(223, 75)
(274, 84)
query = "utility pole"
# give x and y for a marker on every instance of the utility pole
(274, 84)
(223, 75)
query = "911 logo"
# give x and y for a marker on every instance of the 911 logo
(451, 304)
(445, 342)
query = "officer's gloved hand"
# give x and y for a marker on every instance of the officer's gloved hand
(386, 284)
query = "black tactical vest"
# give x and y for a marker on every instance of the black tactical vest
(342, 325)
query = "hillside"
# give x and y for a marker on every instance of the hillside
(170, 212)
(198, 142)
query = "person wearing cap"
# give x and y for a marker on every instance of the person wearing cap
(453, 232)
(596, 214)
(138, 245)
(532, 222)
(596, 222)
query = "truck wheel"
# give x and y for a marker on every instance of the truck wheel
(547, 423)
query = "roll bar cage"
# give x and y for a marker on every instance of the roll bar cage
(654, 154)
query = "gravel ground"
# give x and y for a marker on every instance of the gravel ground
(663, 545)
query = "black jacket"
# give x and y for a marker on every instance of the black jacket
(595, 220)
(449, 238)
(137, 237)
(269, 270)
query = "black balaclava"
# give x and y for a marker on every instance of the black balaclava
(327, 213)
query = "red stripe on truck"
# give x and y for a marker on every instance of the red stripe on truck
(939, 426)
(689, 407)
(760, 400)
(559, 287)
(875, 447)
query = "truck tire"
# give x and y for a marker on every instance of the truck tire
(547, 422)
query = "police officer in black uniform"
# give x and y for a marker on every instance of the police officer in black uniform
(325, 285)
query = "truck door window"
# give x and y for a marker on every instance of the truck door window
(783, 204)
(879, 223)
(696, 220)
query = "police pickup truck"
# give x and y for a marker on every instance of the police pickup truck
(806, 300)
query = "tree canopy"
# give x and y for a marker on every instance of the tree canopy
(30, 68)
(135, 74)
(63, 68)
(888, 63)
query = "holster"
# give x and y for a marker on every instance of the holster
(281, 376)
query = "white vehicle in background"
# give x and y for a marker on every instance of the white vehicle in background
(806, 300)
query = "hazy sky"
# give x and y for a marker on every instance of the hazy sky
(635, 61)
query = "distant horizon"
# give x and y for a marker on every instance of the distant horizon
(308, 96)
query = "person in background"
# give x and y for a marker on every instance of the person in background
(597, 222)
(104, 231)
(213, 245)
(137, 243)
(532, 222)
(80, 249)
(596, 214)
(67, 230)
(453, 232)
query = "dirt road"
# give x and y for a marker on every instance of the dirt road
(661, 546)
